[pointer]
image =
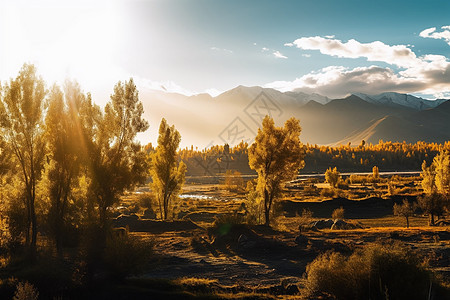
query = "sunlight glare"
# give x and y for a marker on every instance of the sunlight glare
(78, 42)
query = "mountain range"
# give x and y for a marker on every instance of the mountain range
(236, 115)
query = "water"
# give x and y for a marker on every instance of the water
(200, 197)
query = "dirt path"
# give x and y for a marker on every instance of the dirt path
(281, 261)
(176, 258)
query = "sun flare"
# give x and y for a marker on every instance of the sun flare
(78, 43)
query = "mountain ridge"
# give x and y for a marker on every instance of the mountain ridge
(205, 120)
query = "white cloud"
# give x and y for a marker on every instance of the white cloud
(306, 55)
(264, 49)
(433, 34)
(278, 54)
(338, 81)
(399, 55)
(289, 44)
(428, 74)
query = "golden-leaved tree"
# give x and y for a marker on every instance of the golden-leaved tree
(435, 185)
(65, 135)
(117, 161)
(22, 113)
(167, 175)
(276, 155)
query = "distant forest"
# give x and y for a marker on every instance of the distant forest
(387, 156)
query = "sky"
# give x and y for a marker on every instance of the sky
(192, 46)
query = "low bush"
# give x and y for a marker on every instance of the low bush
(306, 216)
(25, 291)
(223, 223)
(374, 272)
(338, 213)
(331, 193)
(125, 255)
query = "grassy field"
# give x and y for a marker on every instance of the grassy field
(271, 263)
(208, 251)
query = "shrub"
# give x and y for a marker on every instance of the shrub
(354, 179)
(374, 272)
(145, 201)
(17, 220)
(254, 207)
(306, 216)
(375, 172)
(25, 291)
(327, 193)
(233, 181)
(391, 188)
(343, 185)
(332, 176)
(125, 255)
(223, 223)
(338, 213)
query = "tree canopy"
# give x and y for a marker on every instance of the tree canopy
(276, 155)
(167, 174)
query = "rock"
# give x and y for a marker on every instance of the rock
(442, 223)
(149, 214)
(125, 220)
(343, 225)
(307, 227)
(245, 243)
(323, 224)
(134, 217)
(242, 239)
(301, 240)
(339, 225)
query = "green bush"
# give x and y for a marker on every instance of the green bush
(374, 272)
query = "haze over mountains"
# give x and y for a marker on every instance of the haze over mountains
(236, 115)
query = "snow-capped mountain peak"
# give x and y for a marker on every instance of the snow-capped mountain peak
(397, 99)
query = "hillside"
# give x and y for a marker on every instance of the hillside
(236, 114)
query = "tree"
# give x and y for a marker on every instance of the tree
(276, 155)
(22, 120)
(167, 175)
(332, 176)
(65, 137)
(441, 163)
(435, 185)
(117, 161)
(428, 175)
(375, 172)
(432, 205)
(406, 210)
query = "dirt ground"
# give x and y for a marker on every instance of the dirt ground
(261, 259)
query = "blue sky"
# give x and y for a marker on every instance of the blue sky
(190, 46)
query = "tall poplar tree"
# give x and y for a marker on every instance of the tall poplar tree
(276, 155)
(22, 120)
(167, 175)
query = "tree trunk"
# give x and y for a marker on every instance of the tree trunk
(33, 230)
(267, 207)
(431, 222)
(407, 222)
